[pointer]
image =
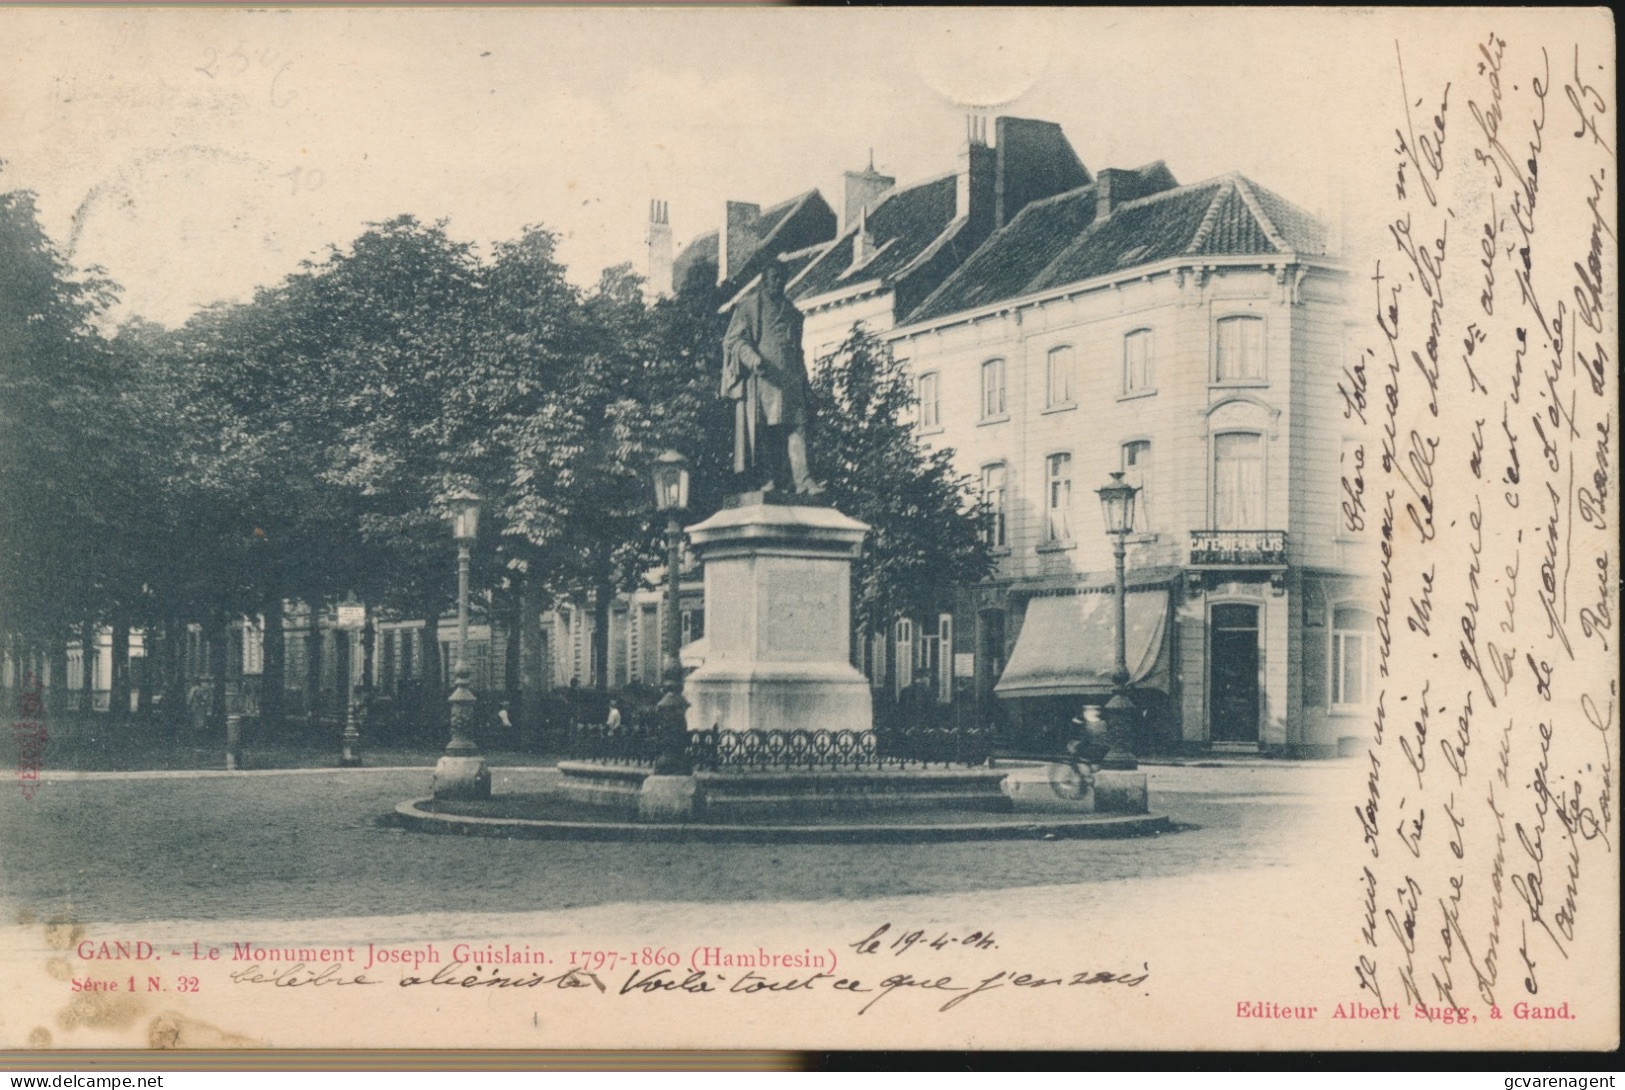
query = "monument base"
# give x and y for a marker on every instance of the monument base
(768, 797)
(1063, 788)
(778, 621)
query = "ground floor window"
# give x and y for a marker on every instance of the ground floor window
(1353, 632)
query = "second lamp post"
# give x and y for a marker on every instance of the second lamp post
(1117, 504)
(671, 498)
(461, 772)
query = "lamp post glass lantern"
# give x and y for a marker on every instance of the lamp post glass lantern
(461, 772)
(671, 497)
(671, 482)
(1117, 507)
(1117, 504)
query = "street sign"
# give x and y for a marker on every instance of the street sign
(352, 615)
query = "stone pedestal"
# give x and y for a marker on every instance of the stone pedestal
(1062, 788)
(460, 777)
(778, 621)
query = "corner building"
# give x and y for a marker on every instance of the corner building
(1061, 325)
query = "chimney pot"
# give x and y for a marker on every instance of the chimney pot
(658, 276)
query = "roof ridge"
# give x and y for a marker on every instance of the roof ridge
(987, 244)
(899, 189)
(1210, 217)
(934, 247)
(791, 207)
(1070, 248)
(824, 248)
(1243, 187)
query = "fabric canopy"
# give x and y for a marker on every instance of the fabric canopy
(1067, 645)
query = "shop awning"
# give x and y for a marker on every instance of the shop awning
(1067, 645)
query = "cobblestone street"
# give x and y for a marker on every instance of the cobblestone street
(317, 843)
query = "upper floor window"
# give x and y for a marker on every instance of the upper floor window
(993, 503)
(1238, 481)
(993, 389)
(929, 390)
(1058, 478)
(1058, 376)
(1353, 637)
(1137, 472)
(1240, 349)
(1137, 362)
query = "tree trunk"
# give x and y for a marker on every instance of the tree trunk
(273, 674)
(313, 665)
(152, 646)
(172, 671)
(434, 706)
(534, 679)
(602, 596)
(118, 696)
(89, 651)
(369, 641)
(218, 635)
(59, 674)
(512, 651)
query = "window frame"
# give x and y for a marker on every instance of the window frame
(1051, 479)
(1244, 320)
(998, 366)
(1213, 477)
(1070, 400)
(1142, 513)
(1142, 334)
(1337, 640)
(928, 420)
(997, 531)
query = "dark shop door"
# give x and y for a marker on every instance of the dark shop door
(1233, 674)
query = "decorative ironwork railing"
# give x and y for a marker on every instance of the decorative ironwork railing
(786, 750)
(627, 744)
(1239, 547)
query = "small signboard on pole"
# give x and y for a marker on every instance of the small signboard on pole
(352, 615)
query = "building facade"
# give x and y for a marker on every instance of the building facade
(1060, 326)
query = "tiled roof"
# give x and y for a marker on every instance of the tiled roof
(780, 214)
(798, 260)
(1058, 241)
(704, 248)
(903, 225)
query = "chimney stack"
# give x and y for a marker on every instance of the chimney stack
(736, 242)
(863, 243)
(1103, 193)
(864, 188)
(658, 275)
(975, 194)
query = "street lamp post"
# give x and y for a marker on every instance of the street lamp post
(1117, 505)
(671, 497)
(352, 617)
(461, 772)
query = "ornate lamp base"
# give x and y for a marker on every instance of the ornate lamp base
(462, 778)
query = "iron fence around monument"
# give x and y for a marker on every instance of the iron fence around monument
(719, 750)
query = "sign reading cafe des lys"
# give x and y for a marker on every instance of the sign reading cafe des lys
(1005, 529)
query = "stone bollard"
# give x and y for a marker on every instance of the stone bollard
(234, 742)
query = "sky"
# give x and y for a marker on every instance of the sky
(197, 154)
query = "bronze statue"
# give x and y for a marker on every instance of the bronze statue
(765, 374)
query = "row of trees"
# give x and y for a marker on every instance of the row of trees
(301, 446)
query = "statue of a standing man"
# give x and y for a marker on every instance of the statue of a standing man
(765, 375)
